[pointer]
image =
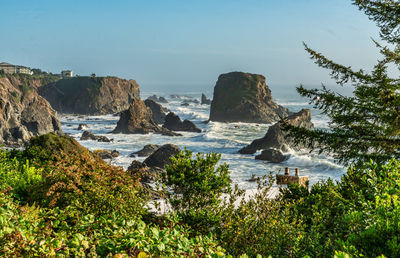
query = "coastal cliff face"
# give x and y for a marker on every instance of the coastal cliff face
(23, 113)
(91, 95)
(276, 138)
(244, 97)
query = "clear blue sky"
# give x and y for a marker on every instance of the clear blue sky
(186, 44)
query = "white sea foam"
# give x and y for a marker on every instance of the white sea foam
(224, 138)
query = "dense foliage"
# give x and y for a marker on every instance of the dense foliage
(366, 125)
(57, 198)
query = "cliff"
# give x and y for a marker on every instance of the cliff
(23, 113)
(91, 95)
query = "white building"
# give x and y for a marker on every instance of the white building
(67, 74)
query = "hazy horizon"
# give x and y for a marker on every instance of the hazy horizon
(182, 45)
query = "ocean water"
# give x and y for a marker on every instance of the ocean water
(224, 138)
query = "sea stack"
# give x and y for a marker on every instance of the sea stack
(244, 97)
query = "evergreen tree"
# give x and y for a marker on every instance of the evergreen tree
(366, 125)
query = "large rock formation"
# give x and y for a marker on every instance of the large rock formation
(276, 138)
(23, 113)
(91, 95)
(244, 97)
(174, 123)
(158, 111)
(138, 120)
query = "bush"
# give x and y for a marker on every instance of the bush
(197, 186)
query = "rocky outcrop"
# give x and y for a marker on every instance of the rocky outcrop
(90, 136)
(205, 100)
(160, 158)
(174, 123)
(158, 99)
(138, 120)
(107, 154)
(146, 151)
(244, 97)
(23, 113)
(91, 95)
(272, 155)
(158, 111)
(276, 137)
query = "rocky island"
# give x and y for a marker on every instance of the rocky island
(244, 97)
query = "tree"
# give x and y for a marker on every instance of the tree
(366, 125)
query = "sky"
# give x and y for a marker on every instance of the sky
(183, 45)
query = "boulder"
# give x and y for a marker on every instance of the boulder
(83, 127)
(91, 95)
(272, 155)
(205, 100)
(107, 154)
(244, 97)
(90, 136)
(146, 151)
(276, 137)
(158, 111)
(158, 99)
(174, 123)
(185, 104)
(138, 120)
(23, 113)
(160, 158)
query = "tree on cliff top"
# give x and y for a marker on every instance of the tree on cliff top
(366, 125)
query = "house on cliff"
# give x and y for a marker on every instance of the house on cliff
(11, 69)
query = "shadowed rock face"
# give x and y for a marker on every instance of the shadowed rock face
(160, 158)
(244, 97)
(276, 138)
(138, 120)
(272, 155)
(205, 100)
(23, 113)
(91, 95)
(158, 111)
(146, 151)
(174, 123)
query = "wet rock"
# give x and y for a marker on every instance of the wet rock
(185, 104)
(86, 135)
(158, 111)
(146, 151)
(160, 158)
(205, 100)
(244, 97)
(272, 155)
(174, 123)
(83, 127)
(158, 99)
(138, 120)
(107, 154)
(276, 138)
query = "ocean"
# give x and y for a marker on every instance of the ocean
(224, 138)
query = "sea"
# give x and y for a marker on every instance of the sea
(224, 138)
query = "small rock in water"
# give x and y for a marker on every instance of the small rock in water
(86, 135)
(107, 154)
(146, 151)
(272, 155)
(253, 178)
(83, 127)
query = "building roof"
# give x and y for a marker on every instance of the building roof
(5, 64)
